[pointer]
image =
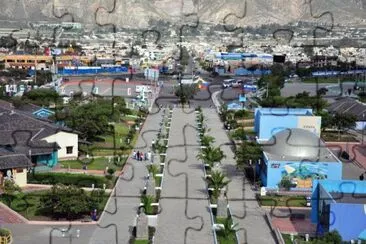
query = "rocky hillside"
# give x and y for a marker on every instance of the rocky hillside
(137, 13)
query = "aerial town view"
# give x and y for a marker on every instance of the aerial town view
(182, 121)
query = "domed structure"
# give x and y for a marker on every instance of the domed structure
(296, 143)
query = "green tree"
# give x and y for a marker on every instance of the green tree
(146, 201)
(68, 202)
(206, 141)
(92, 119)
(42, 97)
(218, 181)
(344, 122)
(327, 120)
(211, 155)
(285, 183)
(186, 92)
(10, 187)
(332, 237)
(247, 151)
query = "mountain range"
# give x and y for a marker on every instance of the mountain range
(137, 13)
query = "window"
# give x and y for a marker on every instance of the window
(69, 150)
(19, 170)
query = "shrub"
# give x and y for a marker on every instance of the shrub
(285, 183)
(111, 171)
(10, 187)
(4, 232)
(69, 201)
(80, 180)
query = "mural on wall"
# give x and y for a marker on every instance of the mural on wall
(302, 174)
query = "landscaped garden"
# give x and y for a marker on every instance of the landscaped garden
(332, 237)
(59, 203)
(282, 201)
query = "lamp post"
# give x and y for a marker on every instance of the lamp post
(363, 126)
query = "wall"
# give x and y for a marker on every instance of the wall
(20, 178)
(319, 197)
(269, 121)
(64, 140)
(278, 169)
(348, 219)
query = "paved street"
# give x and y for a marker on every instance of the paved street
(185, 215)
(243, 206)
(122, 207)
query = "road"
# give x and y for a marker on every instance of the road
(242, 201)
(185, 217)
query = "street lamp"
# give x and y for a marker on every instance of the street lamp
(363, 126)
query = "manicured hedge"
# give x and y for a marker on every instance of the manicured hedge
(80, 180)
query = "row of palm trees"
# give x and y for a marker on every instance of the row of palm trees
(212, 156)
(154, 169)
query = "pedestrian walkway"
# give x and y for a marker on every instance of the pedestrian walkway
(242, 202)
(9, 216)
(121, 210)
(185, 216)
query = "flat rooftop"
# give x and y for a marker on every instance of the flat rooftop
(285, 111)
(339, 197)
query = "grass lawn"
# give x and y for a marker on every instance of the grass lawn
(96, 164)
(285, 201)
(333, 136)
(141, 241)
(121, 131)
(28, 204)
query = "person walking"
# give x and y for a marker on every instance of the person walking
(138, 155)
(149, 156)
(153, 145)
(134, 154)
(145, 156)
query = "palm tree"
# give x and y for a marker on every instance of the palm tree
(218, 181)
(153, 169)
(229, 229)
(246, 151)
(147, 200)
(207, 140)
(210, 155)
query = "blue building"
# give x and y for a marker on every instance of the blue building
(340, 205)
(269, 121)
(300, 156)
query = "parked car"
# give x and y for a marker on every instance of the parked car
(227, 83)
(236, 83)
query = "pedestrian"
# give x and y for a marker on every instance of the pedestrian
(134, 154)
(149, 156)
(145, 155)
(138, 155)
(152, 158)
